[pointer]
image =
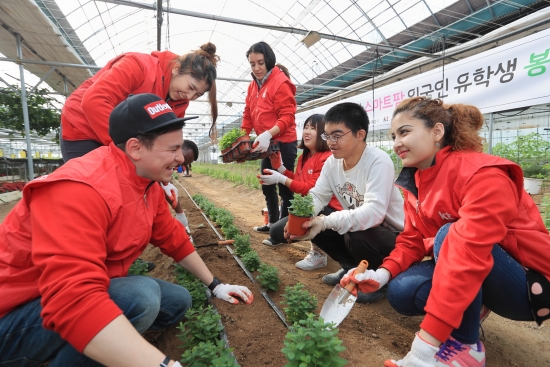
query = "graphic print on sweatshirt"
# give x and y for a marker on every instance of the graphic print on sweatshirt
(348, 192)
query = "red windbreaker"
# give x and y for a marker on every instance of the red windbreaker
(274, 104)
(483, 196)
(85, 115)
(76, 229)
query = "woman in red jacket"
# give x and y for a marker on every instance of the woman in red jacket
(178, 80)
(468, 211)
(310, 163)
(269, 111)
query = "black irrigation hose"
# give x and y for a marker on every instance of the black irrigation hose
(264, 294)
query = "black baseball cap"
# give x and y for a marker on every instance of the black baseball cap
(141, 114)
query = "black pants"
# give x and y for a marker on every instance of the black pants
(372, 244)
(74, 149)
(288, 154)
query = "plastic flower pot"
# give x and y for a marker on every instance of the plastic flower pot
(532, 185)
(294, 225)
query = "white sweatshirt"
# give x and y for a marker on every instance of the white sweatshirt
(366, 192)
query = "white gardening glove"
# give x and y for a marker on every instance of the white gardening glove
(367, 282)
(261, 143)
(422, 354)
(271, 177)
(168, 188)
(182, 219)
(227, 292)
(316, 225)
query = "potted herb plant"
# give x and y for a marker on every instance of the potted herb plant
(299, 212)
(231, 138)
(533, 175)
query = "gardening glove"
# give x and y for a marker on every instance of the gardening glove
(316, 225)
(172, 192)
(422, 354)
(277, 162)
(271, 177)
(182, 219)
(262, 142)
(227, 292)
(367, 282)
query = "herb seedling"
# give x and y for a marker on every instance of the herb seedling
(202, 325)
(299, 301)
(268, 278)
(230, 137)
(302, 206)
(139, 267)
(242, 244)
(231, 231)
(251, 260)
(313, 343)
(209, 354)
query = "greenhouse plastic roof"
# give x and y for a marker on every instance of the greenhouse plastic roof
(359, 39)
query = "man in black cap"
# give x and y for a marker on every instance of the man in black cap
(65, 250)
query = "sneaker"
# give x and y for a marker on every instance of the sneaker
(271, 242)
(454, 353)
(313, 260)
(334, 278)
(262, 229)
(373, 296)
(483, 313)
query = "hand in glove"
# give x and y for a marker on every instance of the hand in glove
(182, 219)
(227, 292)
(277, 162)
(262, 142)
(422, 354)
(271, 177)
(316, 225)
(172, 192)
(367, 282)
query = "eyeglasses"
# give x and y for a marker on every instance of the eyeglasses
(332, 137)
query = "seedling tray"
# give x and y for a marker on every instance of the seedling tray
(242, 151)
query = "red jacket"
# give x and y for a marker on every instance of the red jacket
(483, 196)
(307, 174)
(85, 115)
(274, 104)
(75, 230)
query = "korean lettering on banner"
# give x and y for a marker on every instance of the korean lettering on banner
(536, 63)
(381, 103)
(506, 76)
(442, 87)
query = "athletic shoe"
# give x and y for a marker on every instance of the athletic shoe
(313, 260)
(262, 229)
(452, 353)
(334, 278)
(373, 296)
(483, 313)
(271, 242)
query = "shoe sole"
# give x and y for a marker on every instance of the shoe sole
(308, 269)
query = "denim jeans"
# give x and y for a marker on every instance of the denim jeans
(148, 303)
(288, 155)
(504, 291)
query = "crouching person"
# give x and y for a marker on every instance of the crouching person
(65, 251)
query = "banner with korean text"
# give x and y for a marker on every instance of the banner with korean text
(511, 76)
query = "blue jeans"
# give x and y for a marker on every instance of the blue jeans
(504, 291)
(148, 303)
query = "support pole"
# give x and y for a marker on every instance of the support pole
(25, 107)
(490, 140)
(159, 22)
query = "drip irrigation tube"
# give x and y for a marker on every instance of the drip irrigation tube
(245, 270)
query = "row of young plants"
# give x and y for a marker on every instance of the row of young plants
(310, 341)
(240, 174)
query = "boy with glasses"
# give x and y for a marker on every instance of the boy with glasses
(361, 178)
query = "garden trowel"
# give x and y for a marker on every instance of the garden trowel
(340, 300)
(219, 243)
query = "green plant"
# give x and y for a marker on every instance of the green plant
(175, 175)
(251, 260)
(545, 211)
(525, 150)
(299, 301)
(209, 354)
(230, 137)
(313, 343)
(242, 244)
(231, 231)
(202, 325)
(269, 277)
(195, 287)
(139, 267)
(302, 206)
(535, 171)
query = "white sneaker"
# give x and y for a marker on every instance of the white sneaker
(313, 260)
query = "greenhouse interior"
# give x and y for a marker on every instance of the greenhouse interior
(124, 245)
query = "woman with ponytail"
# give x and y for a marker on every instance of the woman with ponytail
(467, 212)
(270, 111)
(176, 79)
